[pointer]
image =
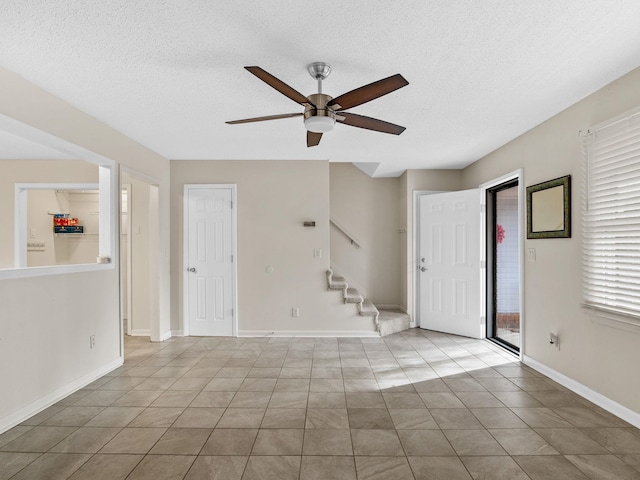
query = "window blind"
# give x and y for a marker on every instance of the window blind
(611, 217)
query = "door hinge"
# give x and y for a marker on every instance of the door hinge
(231, 204)
(483, 264)
(483, 320)
(483, 207)
(231, 258)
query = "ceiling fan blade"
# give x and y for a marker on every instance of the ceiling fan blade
(279, 85)
(262, 119)
(313, 138)
(369, 123)
(368, 92)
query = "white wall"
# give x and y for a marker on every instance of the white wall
(274, 198)
(603, 358)
(368, 209)
(45, 350)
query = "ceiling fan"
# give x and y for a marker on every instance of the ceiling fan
(321, 111)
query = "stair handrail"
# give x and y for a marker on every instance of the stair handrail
(353, 241)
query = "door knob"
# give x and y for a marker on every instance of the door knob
(192, 270)
(423, 269)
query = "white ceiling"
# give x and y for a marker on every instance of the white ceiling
(168, 73)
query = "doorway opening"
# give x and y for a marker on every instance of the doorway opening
(503, 265)
(139, 256)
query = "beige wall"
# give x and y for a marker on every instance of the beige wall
(35, 171)
(412, 181)
(62, 249)
(139, 262)
(48, 347)
(368, 209)
(274, 198)
(604, 358)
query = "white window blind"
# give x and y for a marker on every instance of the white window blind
(611, 217)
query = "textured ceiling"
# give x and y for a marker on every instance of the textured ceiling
(169, 73)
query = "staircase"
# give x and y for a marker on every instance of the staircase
(386, 322)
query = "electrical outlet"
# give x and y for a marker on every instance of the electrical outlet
(317, 253)
(531, 255)
(295, 312)
(92, 342)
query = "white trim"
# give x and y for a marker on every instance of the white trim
(166, 335)
(13, 273)
(609, 405)
(306, 333)
(154, 236)
(37, 406)
(177, 333)
(519, 175)
(140, 332)
(234, 251)
(128, 249)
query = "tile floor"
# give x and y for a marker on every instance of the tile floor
(416, 405)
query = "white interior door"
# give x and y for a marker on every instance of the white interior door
(449, 263)
(209, 261)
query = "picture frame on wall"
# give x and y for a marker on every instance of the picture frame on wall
(549, 209)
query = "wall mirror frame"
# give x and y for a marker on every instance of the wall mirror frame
(549, 209)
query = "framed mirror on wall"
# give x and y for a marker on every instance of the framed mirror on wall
(549, 209)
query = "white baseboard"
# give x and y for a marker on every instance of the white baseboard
(177, 333)
(609, 405)
(166, 335)
(37, 406)
(140, 332)
(306, 333)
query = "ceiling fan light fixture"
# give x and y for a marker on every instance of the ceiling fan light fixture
(319, 124)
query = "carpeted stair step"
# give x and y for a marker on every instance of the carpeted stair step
(351, 295)
(336, 283)
(368, 309)
(390, 322)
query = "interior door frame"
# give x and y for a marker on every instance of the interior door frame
(234, 252)
(515, 175)
(158, 314)
(126, 250)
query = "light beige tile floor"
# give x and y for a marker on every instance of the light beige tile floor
(416, 405)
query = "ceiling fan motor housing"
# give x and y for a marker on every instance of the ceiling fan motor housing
(318, 117)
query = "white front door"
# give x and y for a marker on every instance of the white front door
(449, 263)
(210, 273)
